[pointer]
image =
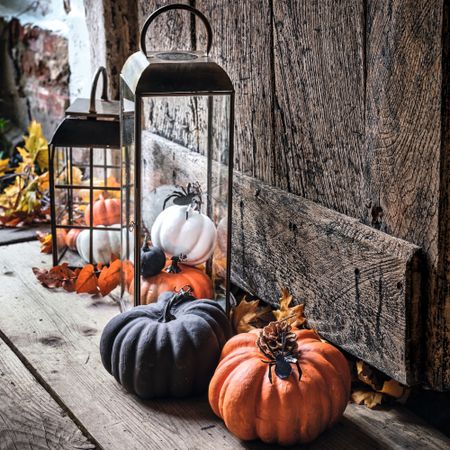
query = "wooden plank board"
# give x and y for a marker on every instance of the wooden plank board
(319, 104)
(29, 417)
(397, 428)
(361, 287)
(407, 151)
(242, 46)
(58, 334)
(15, 235)
(113, 26)
(439, 311)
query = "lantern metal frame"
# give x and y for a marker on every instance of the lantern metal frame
(171, 74)
(89, 124)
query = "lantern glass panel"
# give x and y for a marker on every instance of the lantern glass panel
(184, 165)
(82, 176)
(177, 122)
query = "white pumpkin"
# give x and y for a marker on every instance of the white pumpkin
(105, 244)
(193, 238)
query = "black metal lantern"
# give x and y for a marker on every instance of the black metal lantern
(85, 170)
(177, 120)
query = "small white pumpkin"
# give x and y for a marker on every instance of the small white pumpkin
(184, 232)
(105, 244)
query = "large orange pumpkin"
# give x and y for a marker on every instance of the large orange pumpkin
(174, 277)
(106, 212)
(259, 391)
(71, 238)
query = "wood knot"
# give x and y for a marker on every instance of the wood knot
(52, 341)
(377, 217)
(87, 331)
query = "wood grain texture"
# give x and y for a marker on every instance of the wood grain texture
(438, 316)
(361, 286)
(242, 46)
(405, 149)
(113, 27)
(170, 31)
(58, 334)
(29, 417)
(396, 428)
(122, 34)
(319, 104)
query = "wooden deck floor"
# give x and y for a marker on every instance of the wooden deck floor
(55, 393)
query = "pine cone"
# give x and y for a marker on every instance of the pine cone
(274, 336)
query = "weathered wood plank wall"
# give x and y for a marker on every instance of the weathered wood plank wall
(113, 31)
(346, 104)
(402, 149)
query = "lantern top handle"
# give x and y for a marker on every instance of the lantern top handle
(100, 71)
(165, 8)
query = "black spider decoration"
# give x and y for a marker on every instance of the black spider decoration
(189, 195)
(282, 361)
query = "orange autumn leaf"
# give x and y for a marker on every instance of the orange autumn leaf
(46, 242)
(294, 313)
(109, 277)
(87, 281)
(128, 273)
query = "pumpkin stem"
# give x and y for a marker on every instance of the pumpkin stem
(173, 267)
(279, 345)
(146, 247)
(182, 295)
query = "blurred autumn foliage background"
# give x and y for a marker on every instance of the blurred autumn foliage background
(24, 181)
(44, 64)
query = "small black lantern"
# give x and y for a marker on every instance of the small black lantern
(177, 121)
(85, 189)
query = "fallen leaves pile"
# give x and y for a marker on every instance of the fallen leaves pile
(371, 387)
(25, 184)
(90, 279)
(249, 315)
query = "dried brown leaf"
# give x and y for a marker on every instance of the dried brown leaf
(394, 389)
(248, 315)
(367, 397)
(58, 276)
(370, 387)
(368, 375)
(296, 313)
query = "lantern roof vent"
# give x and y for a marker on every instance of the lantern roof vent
(167, 73)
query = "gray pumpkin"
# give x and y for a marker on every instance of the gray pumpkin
(166, 349)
